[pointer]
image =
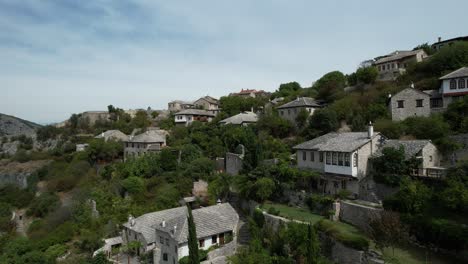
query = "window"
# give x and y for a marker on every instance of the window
(321, 156)
(335, 184)
(312, 156)
(378, 67)
(419, 103)
(214, 239)
(161, 239)
(304, 155)
(165, 256)
(343, 184)
(135, 235)
(340, 159)
(400, 103)
(201, 243)
(328, 157)
(355, 159)
(295, 110)
(282, 112)
(346, 159)
(133, 145)
(289, 111)
(461, 84)
(167, 241)
(453, 84)
(436, 102)
(430, 158)
(335, 158)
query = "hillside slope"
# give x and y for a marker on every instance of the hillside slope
(13, 126)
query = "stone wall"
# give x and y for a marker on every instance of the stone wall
(228, 249)
(233, 163)
(409, 109)
(19, 174)
(358, 215)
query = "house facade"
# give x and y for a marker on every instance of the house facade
(177, 105)
(454, 85)
(449, 42)
(409, 103)
(424, 151)
(186, 117)
(394, 64)
(246, 93)
(165, 233)
(207, 103)
(291, 110)
(149, 141)
(341, 158)
(116, 135)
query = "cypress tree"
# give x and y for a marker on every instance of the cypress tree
(313, 247)
(192, 239)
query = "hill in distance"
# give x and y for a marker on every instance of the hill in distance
(13, 126)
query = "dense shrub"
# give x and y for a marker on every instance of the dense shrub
(43, 204)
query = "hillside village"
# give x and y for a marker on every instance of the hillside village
(366, 167)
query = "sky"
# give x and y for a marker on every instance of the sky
(59, 57)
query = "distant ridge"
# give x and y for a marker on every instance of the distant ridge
(14, 126)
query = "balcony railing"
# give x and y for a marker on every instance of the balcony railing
(434, 172)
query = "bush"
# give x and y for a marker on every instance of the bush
(258, 218)
(320, 203)
(349, 239)
(273, 211)
(43, 204)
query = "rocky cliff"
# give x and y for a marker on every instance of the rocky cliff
(13, 126)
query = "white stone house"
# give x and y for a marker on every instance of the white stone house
(454, 85)
(409, 103)
(424, 151)
(186, 117)
(291, 110)
(149, 141)
(165, 233)
(340, 158)
(241, 119)
(394, 64)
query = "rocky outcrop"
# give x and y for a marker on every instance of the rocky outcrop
(13, 126)
(19, 174)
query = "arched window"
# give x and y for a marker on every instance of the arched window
(461, 83)
(453, 84)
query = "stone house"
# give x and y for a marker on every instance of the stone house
(241, 119)
(165, 233)
(291, 110)
(177, 105)
(443, 43)
(408, 103)
(246, 93)
(149, 141)
(207, 103)
(91, 117)
(81, 147)
(186, 117)
(340, 158)
(427, 154)
(394, 64)
(116, 135)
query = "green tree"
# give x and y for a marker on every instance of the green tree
(192, 239)
(301, 118)
(330, 86)
(313, 246)
(388, 231)
(264, 188)
(367, 75)
(134, 185)
(322, 122)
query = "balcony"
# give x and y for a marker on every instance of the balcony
(433, 172)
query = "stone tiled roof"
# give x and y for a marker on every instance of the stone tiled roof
(150, 136)
(412, 147)
(198, 112)
(239, 119)
(113, 134)
(415, 90)
(181, 102)
(209, 99)
(397, 55)
(433, 93)
(209, 221)
(462, 72)
(340, 142)
(301, 102)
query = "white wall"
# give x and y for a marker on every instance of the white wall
(316, 164)
(446, 87)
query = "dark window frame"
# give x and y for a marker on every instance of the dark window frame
(419, 102)
(401, 104)
(453, 84)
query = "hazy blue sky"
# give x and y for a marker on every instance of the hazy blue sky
(59, 57)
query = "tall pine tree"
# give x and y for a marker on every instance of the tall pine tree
(192, 239)
(313, 246)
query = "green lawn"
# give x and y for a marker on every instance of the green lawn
(300, 214)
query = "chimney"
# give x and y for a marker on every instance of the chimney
(370, 130)
(163, 224)
(251, 109)
(219, 201)
(389, 95)
(439, 39)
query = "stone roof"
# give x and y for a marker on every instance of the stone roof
(301, 102)
(181, 102)
(198, 112)
(209, 221)
(433, 93)
(414, 90)
(209, 99)
(340, 142)
(112, 134)
(150, 136)
(462, 72)
(397, 55)
(412, 147)
(239, 119)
